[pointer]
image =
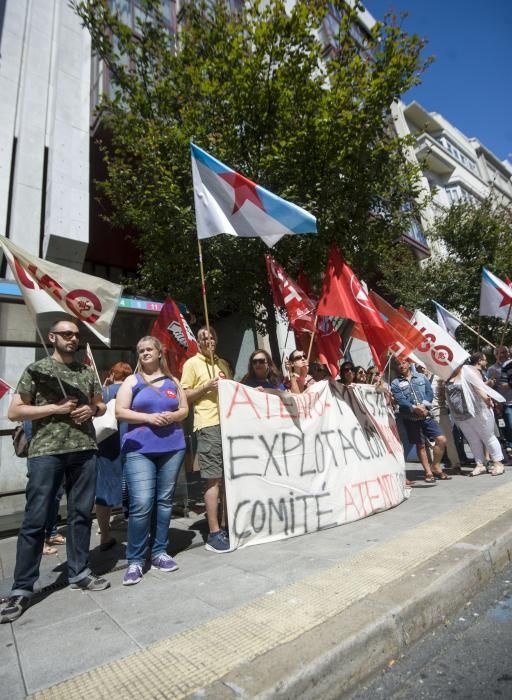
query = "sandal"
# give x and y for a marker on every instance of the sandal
(56, 539)
(430, 479)
(47, 549)
(441, 476)
(497, 469)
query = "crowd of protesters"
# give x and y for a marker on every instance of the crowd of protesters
(139, 463)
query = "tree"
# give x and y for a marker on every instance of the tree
(256, 90)
(466, 238)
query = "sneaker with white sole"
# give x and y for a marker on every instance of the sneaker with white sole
(163, 562)
(479, 469)
(133, 575)
(217, 542)
(14, 608)
(90, 583)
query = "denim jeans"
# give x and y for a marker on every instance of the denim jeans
(151, 481)
(45, 476)
(507, 430)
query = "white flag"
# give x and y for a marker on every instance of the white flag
(495, 296)
(439, 352)
(445, 319)
(47, 286)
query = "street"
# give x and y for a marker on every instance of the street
(469, 657)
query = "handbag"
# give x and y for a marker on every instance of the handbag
(20, 441)
(106, 425)
(457, 402)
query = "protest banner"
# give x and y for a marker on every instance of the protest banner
(298, 463)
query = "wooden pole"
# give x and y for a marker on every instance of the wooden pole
(312, 336)
(284, 350)
(473, 330)
(203, 292)
(48, 354)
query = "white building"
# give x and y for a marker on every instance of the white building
(455, 168)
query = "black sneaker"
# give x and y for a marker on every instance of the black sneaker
(90, 583)
(14, 608)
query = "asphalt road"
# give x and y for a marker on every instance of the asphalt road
(467, 658)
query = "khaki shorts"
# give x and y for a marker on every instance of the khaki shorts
(209, 452)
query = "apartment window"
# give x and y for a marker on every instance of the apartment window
(458, 155)
(458, 194)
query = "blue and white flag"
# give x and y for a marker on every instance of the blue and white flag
(445, 319)
(228, 202)
(495, 296)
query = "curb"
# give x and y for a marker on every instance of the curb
(330, 660)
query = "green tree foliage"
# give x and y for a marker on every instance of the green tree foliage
(255, 90)
(466, 238)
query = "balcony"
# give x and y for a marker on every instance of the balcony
(435, 157)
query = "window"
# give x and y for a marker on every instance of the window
(457, 194)
(458, 155)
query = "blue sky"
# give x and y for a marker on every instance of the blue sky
(470, 83)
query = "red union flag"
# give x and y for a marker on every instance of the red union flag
(47, 286)
(287, 294)
(175, 334)
(407, 337)
(4, 388)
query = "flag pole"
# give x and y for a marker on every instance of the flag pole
(89, 354)
(312, 336)
(48, 354)
(205, 303)
(473, 330)
(506, 325)
(284, 347)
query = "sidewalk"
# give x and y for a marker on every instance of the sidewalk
(305, 617)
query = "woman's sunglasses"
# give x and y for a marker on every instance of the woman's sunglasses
(259, 361)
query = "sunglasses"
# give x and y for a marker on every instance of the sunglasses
(259, 361)
(67, 335)
(298, 357)
(348, 369)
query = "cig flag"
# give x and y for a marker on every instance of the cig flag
(228, 202)
(445, 319)
(173, 331)
(287, 294)
(495, 296)
(89, 361)
(439, 352)
(47, 286)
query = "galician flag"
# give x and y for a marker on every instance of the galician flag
(47, 286)
(495, 296)
(445, 319)
(228, 202)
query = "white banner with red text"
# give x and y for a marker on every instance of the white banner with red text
(296, 464)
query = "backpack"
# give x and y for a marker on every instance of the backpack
(457, 402)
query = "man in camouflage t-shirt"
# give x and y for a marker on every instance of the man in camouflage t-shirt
(60, 397)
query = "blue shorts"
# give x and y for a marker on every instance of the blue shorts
(418, 431)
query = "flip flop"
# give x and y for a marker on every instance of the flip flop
(56, 539)
(49, 550)
(430, 479)
(441, 476)
(108, 545)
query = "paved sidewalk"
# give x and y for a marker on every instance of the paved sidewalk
(251, 616)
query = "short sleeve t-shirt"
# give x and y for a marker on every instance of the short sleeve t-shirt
(58, 434)
(197, 371)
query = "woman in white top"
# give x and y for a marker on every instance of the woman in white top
(471, 401)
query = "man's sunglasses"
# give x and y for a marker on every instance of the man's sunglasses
(259, 361)
(67, 335)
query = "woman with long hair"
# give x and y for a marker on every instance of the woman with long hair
(360, 375)
(470, 401)
(262, 373)
(298, 378)
(109, 470)
(153, 404)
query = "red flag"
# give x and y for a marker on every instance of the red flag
(4, 388)
(89, 361)
(343, 295)
(287, 293)
(175, 334)
(407, 337)
(327, 341)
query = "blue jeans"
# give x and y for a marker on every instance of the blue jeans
(45, 476)
(507, 430)
(151, 481)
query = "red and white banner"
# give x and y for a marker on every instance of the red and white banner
(439, 352)
(48, 287)
(295, 464)
(5, 388)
